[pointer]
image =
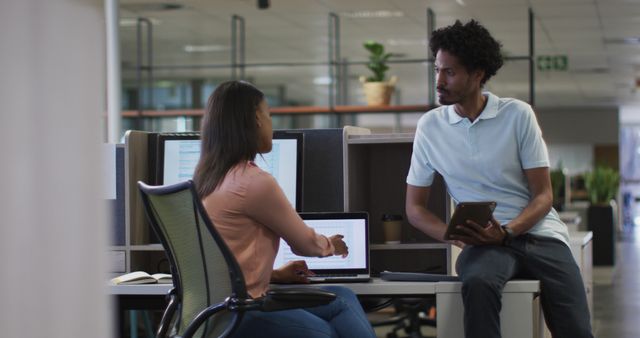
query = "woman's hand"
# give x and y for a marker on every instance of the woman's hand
(292, 272)
(339, 245)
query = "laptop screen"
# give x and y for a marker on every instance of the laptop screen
(355, 229)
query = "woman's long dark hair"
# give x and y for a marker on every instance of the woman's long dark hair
(229, 133)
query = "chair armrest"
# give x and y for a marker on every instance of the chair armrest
(275, 300)
(293, 298)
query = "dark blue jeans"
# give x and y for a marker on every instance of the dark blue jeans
(343, 318)
(484, 270)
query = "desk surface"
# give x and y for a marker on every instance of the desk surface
(580, 237)
(376, 287)
(139, 289)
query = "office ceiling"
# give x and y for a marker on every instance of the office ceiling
(601, 39)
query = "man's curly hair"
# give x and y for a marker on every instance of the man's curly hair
(472, 44)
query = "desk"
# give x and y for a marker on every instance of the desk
(137, 297)
(521, 315)
(378, 287)
(124, 291)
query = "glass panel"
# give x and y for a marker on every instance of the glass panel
(287, 51)
(512, 80)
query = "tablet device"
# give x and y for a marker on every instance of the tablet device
(479, 212)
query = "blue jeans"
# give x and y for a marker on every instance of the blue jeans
(343, 317)
(484, 270)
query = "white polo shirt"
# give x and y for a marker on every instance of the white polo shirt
(484, 160)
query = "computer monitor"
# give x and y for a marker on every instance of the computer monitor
(178, 156)
(284, 163)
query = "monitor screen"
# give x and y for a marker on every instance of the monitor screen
(179, 155)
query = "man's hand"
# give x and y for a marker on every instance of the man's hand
(475, 234)
(292, 272)
(340, 246)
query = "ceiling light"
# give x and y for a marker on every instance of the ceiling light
(407, 42)
(461, 2)
(132, 22)
(623, 41)
(372, 14)
(151, 7)
(322, 81)
(205, 48)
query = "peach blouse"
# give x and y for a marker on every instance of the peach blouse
(251, 213)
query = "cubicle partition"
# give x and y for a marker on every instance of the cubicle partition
(323, 181)
(344, 170)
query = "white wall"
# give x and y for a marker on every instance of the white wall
(571, 133)
(630, 114)
(575, 158)
(579, 125)
(53, 232)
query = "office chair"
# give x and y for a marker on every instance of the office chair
(209, 295)
(407, 317)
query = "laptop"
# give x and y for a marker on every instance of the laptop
(354, 226)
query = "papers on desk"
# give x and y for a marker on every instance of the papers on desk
(141, 277)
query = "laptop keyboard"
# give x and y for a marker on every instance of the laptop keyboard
(336, 275)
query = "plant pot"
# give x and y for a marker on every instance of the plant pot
(600, 222)
(378, 93)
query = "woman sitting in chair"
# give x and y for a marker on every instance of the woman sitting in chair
(251, 213)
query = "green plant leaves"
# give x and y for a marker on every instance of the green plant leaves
(557, 183)
(377, 60)
(374, 48)
(602, 184)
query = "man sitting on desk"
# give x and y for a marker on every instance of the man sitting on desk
(491, 149)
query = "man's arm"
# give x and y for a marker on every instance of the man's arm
(421, 218)
(540, 203)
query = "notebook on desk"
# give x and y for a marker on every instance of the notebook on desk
(354, 226)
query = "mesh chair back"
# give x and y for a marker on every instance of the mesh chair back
(204, 270)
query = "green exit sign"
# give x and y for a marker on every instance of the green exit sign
(552, 63)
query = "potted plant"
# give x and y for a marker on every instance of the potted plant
(557, 186)
(602, 186)
(376, 89)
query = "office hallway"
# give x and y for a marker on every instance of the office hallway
(617, 290)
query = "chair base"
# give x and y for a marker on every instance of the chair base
(410, 317)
